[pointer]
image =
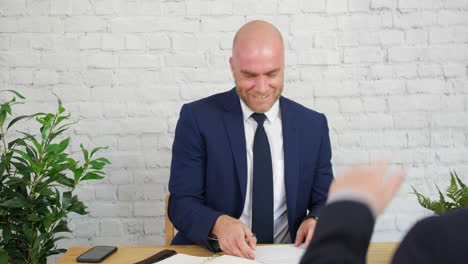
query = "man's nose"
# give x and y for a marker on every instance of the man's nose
(261, 86)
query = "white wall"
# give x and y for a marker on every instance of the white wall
(391, 76)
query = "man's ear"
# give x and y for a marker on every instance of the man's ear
(231, 64)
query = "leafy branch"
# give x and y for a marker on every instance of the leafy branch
(32, 170)
(456, 192)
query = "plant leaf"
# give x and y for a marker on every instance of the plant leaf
(55, 239)
(34, 218)
(15, 203)
(32, 138)
(25, 156)
(66, 199)
(62, 179)
(7, 107)
(46, 125)
(3, 164)
(58, 148)
(85, 153)
(77, 173)
(61, 118)
(3, 115)
(6, 234)
(3, 256)
(96, 150)
(96, 165)
(58, 250)
(77, 206)
(16, 119)
(104, 160)
(56, 133)
(91, 176)
(462, 185)
(67, 125)
(60, 106)
(14, 92)
(37, 242)
(61, 227)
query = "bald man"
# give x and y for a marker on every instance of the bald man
(249, 165)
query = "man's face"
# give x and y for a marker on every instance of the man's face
(258, 73)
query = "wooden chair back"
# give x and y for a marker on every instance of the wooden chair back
(170, 230)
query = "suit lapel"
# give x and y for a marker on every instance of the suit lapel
(291, 158)
(234, 124)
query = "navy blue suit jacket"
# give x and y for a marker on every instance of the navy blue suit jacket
(209, 165)
(343, 233)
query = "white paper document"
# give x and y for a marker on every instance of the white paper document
(279, 254)
(275, 254)
(187, 259)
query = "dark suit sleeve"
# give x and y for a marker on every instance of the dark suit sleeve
(323, 174)
(187, 209)
(420, 244)
(342, 234)
(437, 239)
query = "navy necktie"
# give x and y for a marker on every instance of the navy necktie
(262, 194)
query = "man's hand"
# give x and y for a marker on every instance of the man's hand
(371, 183)
(306, 230)
(234, 237)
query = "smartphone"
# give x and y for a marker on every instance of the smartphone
(96, 254)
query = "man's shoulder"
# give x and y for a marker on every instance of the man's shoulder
(301, 110)
(210, 103)
(425, 236)
(448, 226)
(450, 220)
(214, 99)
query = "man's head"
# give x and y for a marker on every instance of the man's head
(257, 64)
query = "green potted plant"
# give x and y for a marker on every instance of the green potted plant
(457, 192)
(37, 181)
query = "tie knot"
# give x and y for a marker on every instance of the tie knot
(260, 118)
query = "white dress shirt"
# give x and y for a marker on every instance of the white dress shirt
(274, 131)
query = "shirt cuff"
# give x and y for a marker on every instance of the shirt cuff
(355, 196)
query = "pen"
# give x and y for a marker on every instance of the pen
(250, 237)
(246, 239)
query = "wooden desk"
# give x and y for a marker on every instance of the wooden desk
(379, 253)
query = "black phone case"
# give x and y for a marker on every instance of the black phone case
(162, 255)
(80, 258)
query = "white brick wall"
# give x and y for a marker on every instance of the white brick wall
(391, 75)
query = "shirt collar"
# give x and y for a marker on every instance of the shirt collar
(272, 115)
